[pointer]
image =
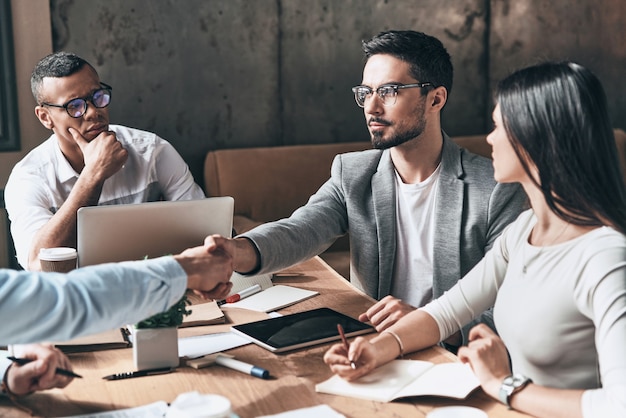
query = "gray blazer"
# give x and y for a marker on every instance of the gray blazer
(472, 209)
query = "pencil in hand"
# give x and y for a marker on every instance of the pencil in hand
(345, 343)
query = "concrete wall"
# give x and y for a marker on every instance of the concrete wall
(211, 74)
(591, 33)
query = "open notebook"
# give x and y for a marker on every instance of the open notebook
(134, 231)
(404, 378)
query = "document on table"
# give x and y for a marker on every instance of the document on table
(402, 378)
(208, 344)
(274, 298)
(153, 410)
(207, 313)
(319, 411)
(200, 345)
(241, 282)
(107, 340)
(271, 297)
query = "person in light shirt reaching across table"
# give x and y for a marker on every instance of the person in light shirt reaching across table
(45, 306)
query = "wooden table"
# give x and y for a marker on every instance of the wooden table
(294, 374)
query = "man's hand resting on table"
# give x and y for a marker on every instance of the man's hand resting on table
(39, 374)
(389, 310)
(386, 312)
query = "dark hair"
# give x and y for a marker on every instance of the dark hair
(58, 64)
(426, 55)
(555, 115)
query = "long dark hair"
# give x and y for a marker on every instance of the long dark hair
(555, 115)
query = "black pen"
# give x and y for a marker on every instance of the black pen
(138, 373)
(64, 372)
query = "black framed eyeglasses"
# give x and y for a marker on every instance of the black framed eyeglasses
(77, 107)
(387, 92)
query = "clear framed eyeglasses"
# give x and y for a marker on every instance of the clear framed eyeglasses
(387, 93)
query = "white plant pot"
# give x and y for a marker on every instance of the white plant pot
(154, 348)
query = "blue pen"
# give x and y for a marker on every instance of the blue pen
(242, 367)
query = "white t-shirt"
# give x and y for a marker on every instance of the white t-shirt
(43, 180)
(563, 321)
(415, 226)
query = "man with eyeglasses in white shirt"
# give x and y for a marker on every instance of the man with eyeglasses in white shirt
(85, 162)
(419, 210)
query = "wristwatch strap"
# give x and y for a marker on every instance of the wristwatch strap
(510, 385)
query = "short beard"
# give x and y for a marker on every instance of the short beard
(400, 138)
(406, 131)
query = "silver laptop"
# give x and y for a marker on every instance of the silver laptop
(134, 231)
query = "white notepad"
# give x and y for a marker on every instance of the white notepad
(241, 282)
(273, 298)
(402, 378)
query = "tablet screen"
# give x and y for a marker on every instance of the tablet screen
(301, 329)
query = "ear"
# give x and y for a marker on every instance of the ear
(439, 98)
(44, 117)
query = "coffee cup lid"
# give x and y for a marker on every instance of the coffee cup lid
(197, 405)
(57, 253)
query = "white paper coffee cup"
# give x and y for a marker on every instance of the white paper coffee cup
(58, 259)
(197, 405)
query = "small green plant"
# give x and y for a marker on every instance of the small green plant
(173, 317)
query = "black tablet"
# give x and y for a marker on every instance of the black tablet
(301, 329)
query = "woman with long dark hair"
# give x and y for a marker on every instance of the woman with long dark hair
(556, 278)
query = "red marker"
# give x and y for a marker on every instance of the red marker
(241, 295)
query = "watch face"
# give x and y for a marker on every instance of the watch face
(510, 385)
(517, 380)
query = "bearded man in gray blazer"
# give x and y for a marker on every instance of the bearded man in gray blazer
(419, 210)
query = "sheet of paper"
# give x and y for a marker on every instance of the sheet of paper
(401, 378)
(107, 340)
(243, 282)
(209, 344)
(381, 384)
(153, 410)
(454, 380)
(276, 297)
(318, 411)
(207, 313)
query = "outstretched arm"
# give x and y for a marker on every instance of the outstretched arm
(59, 307)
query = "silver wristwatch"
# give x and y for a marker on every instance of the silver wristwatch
(510, 385)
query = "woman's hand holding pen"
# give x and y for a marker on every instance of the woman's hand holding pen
(361, 352)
